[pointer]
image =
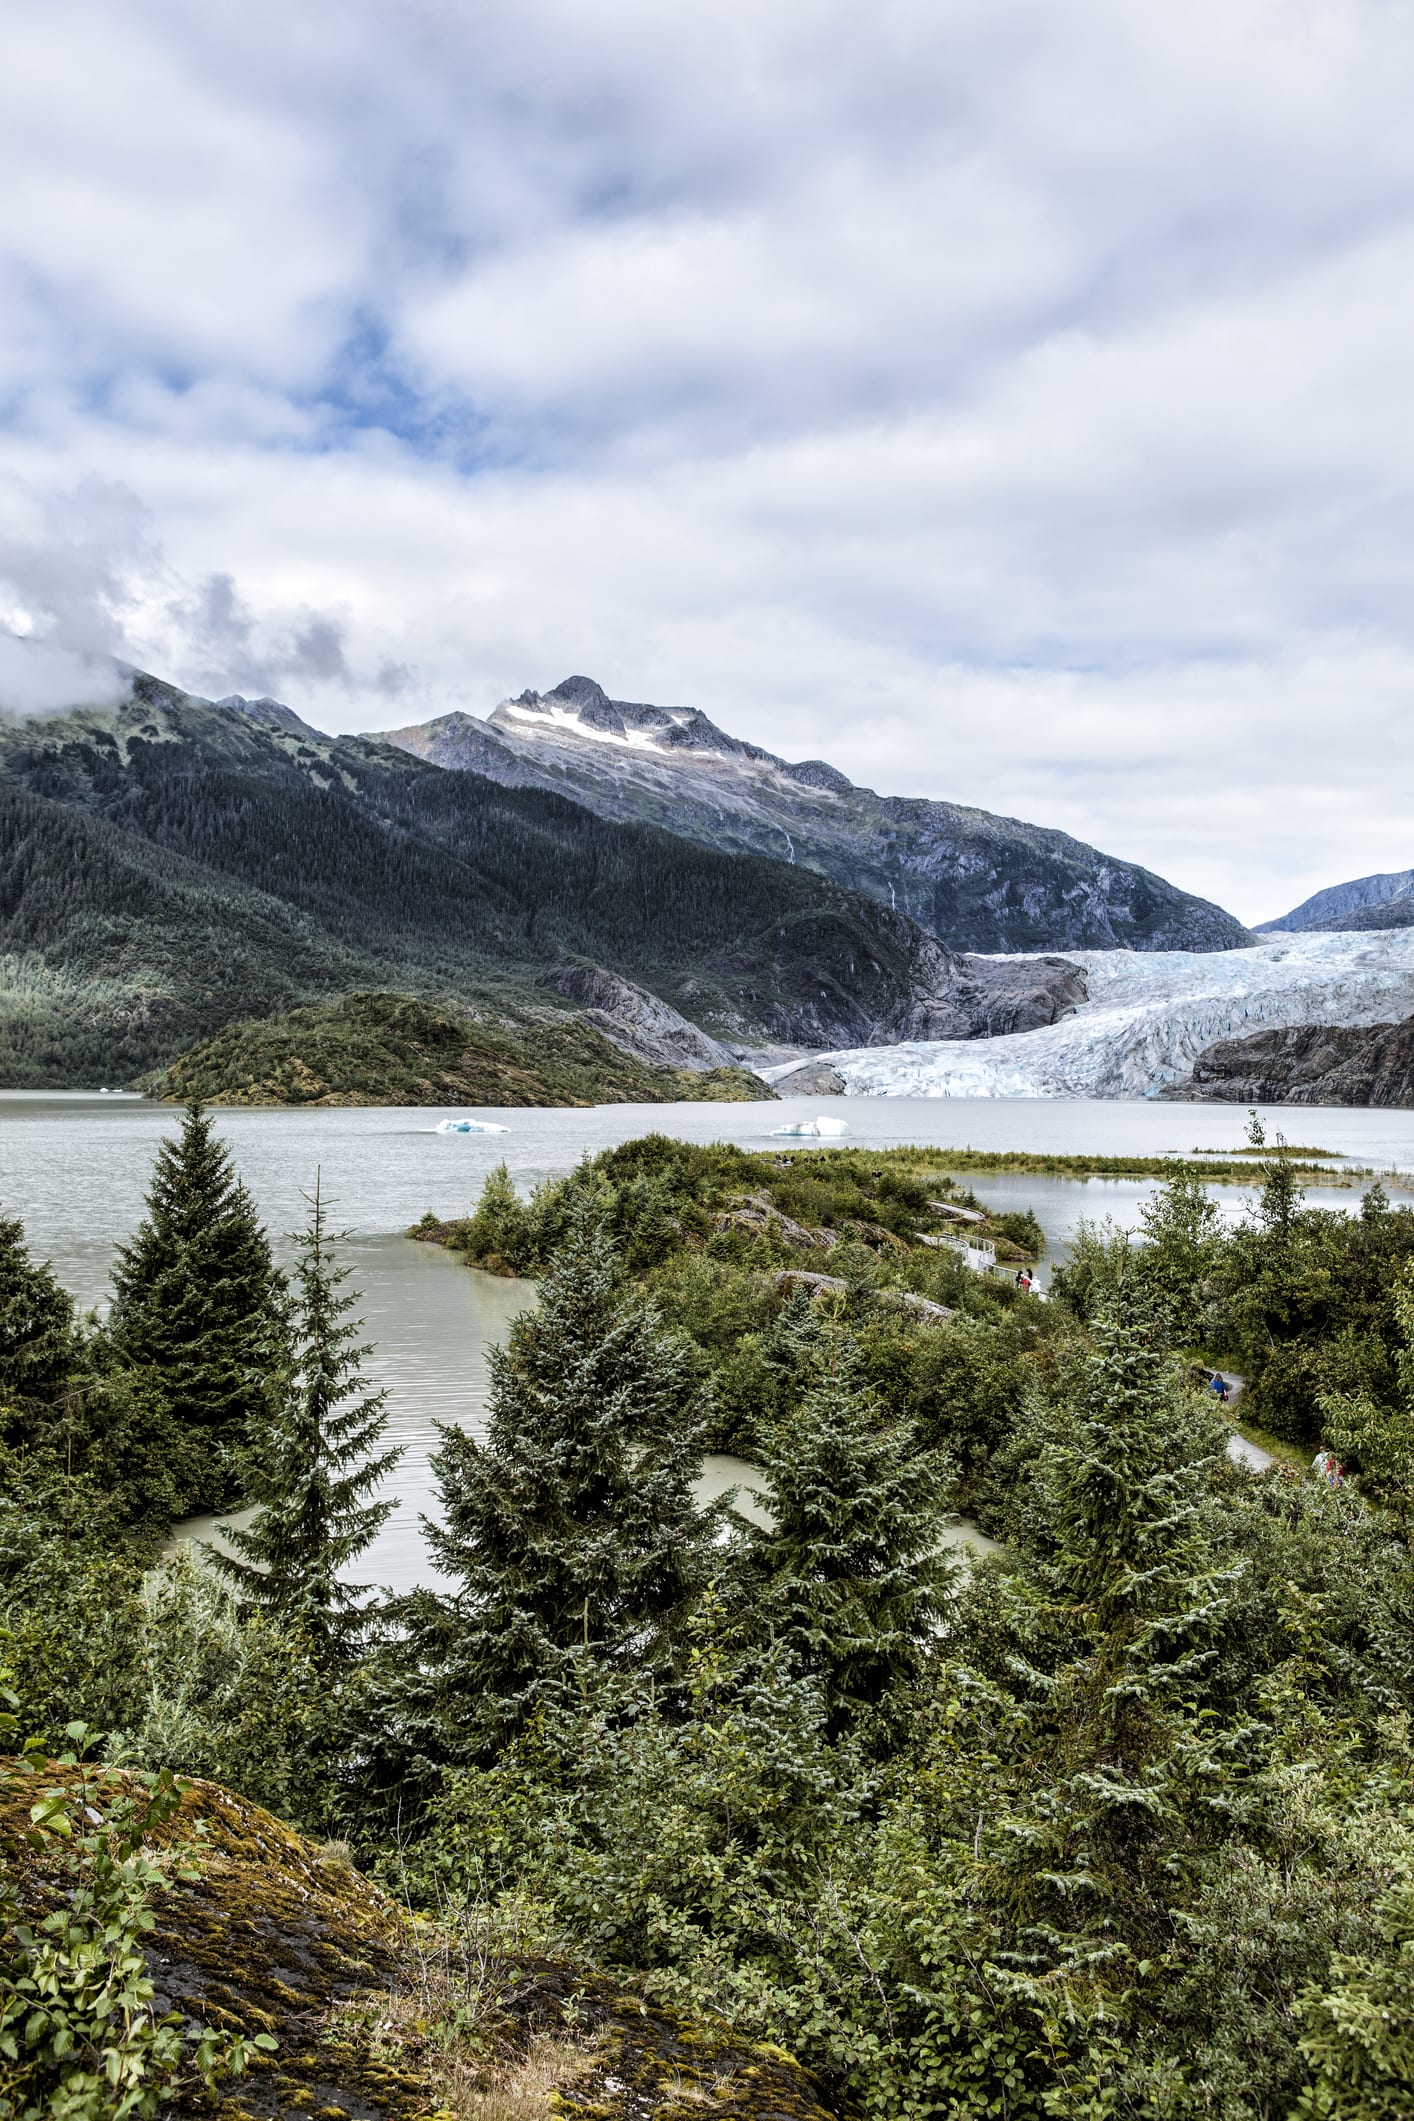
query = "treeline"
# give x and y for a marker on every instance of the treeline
(1116, 1822)
(1304, 1302)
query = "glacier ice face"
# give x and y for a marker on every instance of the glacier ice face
(1149, 1015)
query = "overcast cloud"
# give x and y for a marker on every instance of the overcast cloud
(1004, 399)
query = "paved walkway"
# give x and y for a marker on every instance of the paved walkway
(1239, 1450)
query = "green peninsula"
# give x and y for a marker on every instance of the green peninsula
(391, 1049)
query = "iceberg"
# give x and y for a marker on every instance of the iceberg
(810, 1129)
(1148, 1017)
(469, 1126)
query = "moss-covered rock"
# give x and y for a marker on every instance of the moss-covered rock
(376, 2015)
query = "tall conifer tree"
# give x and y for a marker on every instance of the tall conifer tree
(849, 1575)
(197, 1299)
(314, 1471)
(38, 1346)
(1118, 1766)
(572, 1521)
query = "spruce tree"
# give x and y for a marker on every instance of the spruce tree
(501, 1234)
(198, 1301)
(1378, 1441)
(571, 1524)
(850, 1576)
(1116, 1766)
(38, 1344)
(312, 1472)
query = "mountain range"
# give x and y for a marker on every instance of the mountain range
(176, 864)
(1368, 902)
(976, 881)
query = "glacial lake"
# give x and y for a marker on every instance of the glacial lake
(75, 1166)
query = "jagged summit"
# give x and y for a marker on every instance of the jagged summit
(273, 713)
(581, 706)
(976, 881)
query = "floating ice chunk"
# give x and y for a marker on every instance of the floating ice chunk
(811, 1129)
(469, 1126)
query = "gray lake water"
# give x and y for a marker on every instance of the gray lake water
(75, 1166)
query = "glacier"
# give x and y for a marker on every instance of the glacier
(1148, 1016)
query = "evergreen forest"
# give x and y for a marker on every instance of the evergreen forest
(177, 867)
(1111, 1814)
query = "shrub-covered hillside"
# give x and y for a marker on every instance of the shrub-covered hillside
(388, 1049)
(1113, 1822)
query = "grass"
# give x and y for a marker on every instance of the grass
(1273, 1149)
(1045, 1165)
(522, 2091)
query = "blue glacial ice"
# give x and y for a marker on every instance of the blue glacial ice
(1148, 1017)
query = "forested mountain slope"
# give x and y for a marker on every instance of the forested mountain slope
(978, 881)
(177, 864)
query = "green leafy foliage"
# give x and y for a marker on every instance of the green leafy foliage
(1114, 1825)
(82, 2037)
(394, 1049)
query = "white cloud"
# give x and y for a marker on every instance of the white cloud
(1003, 399)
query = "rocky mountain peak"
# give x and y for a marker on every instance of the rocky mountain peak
(575, 692)
(982, 882)
(273, 713)
(819, 773)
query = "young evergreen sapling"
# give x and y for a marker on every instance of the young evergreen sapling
(314, 1469)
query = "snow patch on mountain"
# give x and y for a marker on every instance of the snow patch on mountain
(571, 723)
(1148, 1017)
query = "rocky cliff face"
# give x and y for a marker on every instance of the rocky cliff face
(1308, 1064)
(636, 1021)
(977, 881)
(1385, 901)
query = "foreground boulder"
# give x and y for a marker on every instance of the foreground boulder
(376, 2015)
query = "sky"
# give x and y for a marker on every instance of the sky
(1006, 400)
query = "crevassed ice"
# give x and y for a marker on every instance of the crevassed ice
(1149, 1016)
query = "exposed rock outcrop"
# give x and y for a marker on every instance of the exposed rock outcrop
(812, 1079)
(1308, 1064)
(914, 989)
(990, 997)
(636, 1021)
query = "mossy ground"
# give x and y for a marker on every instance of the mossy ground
(379, 2016)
